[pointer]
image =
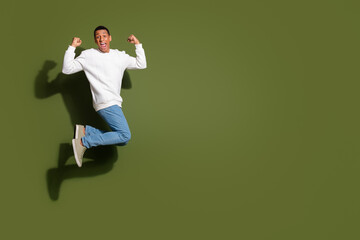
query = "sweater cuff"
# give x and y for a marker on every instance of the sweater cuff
(138, 45)
(71, 48)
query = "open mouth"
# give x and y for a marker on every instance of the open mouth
(102, 45)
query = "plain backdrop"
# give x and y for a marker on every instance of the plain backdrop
(245, 125)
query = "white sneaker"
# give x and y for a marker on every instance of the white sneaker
(79, 151)
(79, 131)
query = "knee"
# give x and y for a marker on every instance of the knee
(126, 136)
(125, 139)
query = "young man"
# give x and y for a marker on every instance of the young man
(104, 69)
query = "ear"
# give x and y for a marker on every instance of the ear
(110, 38)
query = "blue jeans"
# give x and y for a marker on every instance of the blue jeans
(120, 134)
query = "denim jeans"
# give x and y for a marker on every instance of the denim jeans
(120, 134)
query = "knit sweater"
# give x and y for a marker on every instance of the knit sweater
(104, 71)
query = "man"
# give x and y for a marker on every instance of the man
(104, 69)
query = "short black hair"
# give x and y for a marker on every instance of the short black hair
(101, 28)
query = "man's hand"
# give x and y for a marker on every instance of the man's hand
(76, 42)
(133, 39)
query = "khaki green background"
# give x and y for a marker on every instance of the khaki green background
(245, 125)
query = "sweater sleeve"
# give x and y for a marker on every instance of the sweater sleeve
(71, 65)
(138, 62)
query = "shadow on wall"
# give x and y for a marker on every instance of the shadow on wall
(75, 92)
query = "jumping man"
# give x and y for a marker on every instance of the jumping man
(104, 69)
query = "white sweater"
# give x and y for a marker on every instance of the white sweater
(104, 71)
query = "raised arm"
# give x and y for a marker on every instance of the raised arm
(138, 62)
(71, 65)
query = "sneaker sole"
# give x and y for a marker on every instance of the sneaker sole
(75, 153)
(77, 131)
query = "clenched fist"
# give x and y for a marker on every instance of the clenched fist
(133, 39)
(76, 42)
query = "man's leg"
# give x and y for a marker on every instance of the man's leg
(116, 120)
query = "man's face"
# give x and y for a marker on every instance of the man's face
(103, 39)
